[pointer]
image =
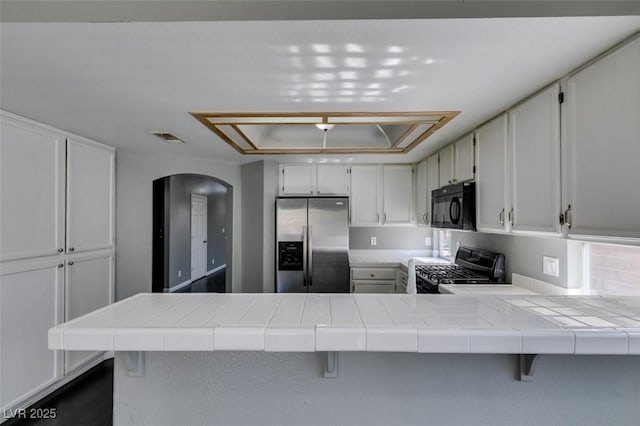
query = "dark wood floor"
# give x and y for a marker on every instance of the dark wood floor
(214, 283)
(86, 401)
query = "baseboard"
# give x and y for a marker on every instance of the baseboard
(219, 268)
(177, 286)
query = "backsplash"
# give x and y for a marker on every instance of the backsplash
(390, 237)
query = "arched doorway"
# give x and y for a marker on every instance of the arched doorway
(192, 234)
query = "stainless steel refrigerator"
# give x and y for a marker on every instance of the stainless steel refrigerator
(312, 245)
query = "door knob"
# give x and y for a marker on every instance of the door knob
(60, 265)
(60, 250)
(71, 249)
(70, 263)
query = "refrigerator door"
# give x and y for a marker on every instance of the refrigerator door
(328, 242)
(291, 232)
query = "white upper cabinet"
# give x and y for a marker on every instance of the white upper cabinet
(32, 168)
(534, 136)
(333, 179)
(314, 179)
(464, 159)
(90, 196)
(602, 133)
(457, 161)
(364, 200)
(446, 165)
(433, 182)
(491, 169)
(397, 194)
(297, 179)
(422, 208)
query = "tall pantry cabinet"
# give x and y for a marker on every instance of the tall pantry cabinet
(57, 258)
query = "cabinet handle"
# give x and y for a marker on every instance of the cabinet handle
(205, 241)
(568, 216)
(372, 275)
(60, 265)
(501, 217)
(70, 263)
(71, 249)
(449, 181)
(511, 216)
(455, 180)
(60, 250)
(378, 217)
(385, 218)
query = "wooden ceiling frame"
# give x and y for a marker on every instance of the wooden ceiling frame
(215, 120)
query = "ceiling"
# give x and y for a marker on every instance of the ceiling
(115, 82)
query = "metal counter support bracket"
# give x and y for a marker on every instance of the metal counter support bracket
(331, 366)
(527, 364)
(135, 363)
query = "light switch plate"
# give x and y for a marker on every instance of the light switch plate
(373, 241)
(427, 241)
(550, 266)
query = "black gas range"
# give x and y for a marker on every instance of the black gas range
(472, 266)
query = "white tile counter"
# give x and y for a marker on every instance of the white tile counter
(485, 289)
(389, 258)
(369, 323)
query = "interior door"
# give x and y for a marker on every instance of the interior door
(198, 236)
(328, 242)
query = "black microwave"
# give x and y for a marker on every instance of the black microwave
(454, 207)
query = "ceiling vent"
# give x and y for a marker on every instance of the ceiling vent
(167, 137)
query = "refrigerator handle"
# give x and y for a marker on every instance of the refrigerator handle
(304, 255)
(310, 255)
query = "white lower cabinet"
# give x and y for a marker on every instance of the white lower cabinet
(373, 280)
(31, 301)
(88, 286)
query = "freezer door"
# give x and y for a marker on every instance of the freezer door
(328, 242)
(291, 247)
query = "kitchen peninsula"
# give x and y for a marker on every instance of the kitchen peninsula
(367, 359)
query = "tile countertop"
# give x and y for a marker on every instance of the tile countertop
(389, 258)
(346, 322)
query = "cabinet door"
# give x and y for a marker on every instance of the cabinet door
(333, 179)
(297, 179)
(30, 304)
(534, 133)
(363, 201)
(88, 286)
(90, 195)
(602, 107)
(464, 159)
(31, 190)
(433, 181)
(491, 144)
(422, 207)
(446, 165)
(398, 194)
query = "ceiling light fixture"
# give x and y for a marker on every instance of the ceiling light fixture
(325, 127)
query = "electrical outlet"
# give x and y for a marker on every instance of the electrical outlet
(179, 274)
(213, 261)
(427, 241)
(374, 241)
(550, 266)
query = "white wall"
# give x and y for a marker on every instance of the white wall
(134, 194)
